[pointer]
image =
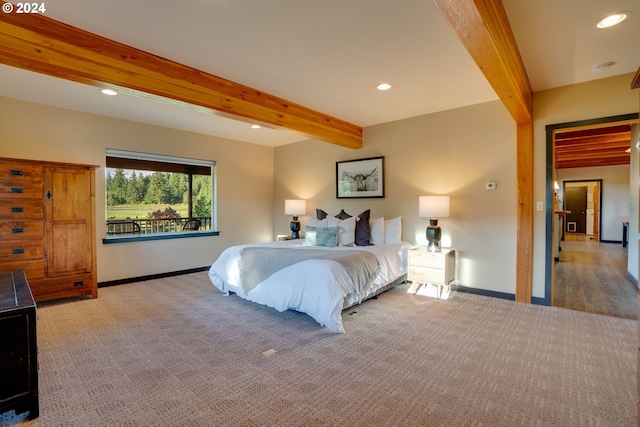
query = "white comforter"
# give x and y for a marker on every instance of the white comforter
(319, 288)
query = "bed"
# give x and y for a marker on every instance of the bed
(310, 277)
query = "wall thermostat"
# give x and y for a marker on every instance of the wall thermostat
(490, 185)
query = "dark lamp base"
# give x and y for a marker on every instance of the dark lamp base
(433, 236)
(295, 228)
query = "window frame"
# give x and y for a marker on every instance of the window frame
(131, 157)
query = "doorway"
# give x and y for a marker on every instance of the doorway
(552, 214)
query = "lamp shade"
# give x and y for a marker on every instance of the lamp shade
(434, 206)
(295, 207)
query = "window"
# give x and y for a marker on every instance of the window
(151, 196)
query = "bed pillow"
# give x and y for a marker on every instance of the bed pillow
(346, 231)
(393, 230)
(363, 229)
(320, 214)
(326, 222)
(377, 231)
(343, 215)
(320, 236)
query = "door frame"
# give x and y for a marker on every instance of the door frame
(550, 162)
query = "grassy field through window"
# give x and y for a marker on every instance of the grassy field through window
(142, 211)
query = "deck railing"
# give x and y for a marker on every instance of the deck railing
(122, 227)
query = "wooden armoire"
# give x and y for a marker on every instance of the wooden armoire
(47, 226)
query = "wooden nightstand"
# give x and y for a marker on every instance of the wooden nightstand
(431, 268)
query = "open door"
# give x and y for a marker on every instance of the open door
(575, 201)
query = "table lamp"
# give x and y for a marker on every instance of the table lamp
(295, 208)
(433, 207)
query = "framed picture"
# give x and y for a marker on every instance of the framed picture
(360, 178)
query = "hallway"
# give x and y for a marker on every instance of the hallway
(591, 277)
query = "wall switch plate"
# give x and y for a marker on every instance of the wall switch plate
(490, 185)
(539, 206)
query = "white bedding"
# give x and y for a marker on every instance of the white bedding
(319, 288)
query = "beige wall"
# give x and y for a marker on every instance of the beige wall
(591, 100)
(244, 180)
(453, 152)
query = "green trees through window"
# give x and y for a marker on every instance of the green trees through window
(157, 196)
(158, 188)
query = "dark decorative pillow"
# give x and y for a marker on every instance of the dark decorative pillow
(343, 215)
(320, 214)
(363, 229)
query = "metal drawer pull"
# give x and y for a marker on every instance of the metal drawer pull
(15, 172)
(17, 230)
(17, 251)
(17, 190)
(78, 283)
(17, 209)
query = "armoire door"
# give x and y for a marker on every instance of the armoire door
(68, 213)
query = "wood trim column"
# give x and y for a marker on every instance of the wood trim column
(524, 246)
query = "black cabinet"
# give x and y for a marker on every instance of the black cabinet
(18, 345)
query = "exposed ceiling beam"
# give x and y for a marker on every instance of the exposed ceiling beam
(591, 147)
(635, 83)
(593, 162)
(36, 43)
(594, 140)
(483, 28)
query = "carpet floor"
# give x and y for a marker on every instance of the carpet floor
(176, 352)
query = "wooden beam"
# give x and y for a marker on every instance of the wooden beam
(483, 28)
(36, 43)
(635, 83)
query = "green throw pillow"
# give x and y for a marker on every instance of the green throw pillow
(320, 236)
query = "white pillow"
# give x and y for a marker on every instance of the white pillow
(347, 231)
(393, 230)
(377, 230)
(327, 222)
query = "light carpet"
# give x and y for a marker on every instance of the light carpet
(176, 352)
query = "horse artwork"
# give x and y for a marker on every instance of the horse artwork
(360, 178)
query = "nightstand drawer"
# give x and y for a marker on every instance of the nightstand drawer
(427, 275)
(426, 259)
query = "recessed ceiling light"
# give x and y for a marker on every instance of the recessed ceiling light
(612, 20)
(383, 86)
(255, 126)
(109, 92)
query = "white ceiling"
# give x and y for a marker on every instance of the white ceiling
(329, 55)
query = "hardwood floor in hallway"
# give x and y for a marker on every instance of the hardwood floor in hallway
(591, 276)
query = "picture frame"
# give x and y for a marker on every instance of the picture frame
(361, 178)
